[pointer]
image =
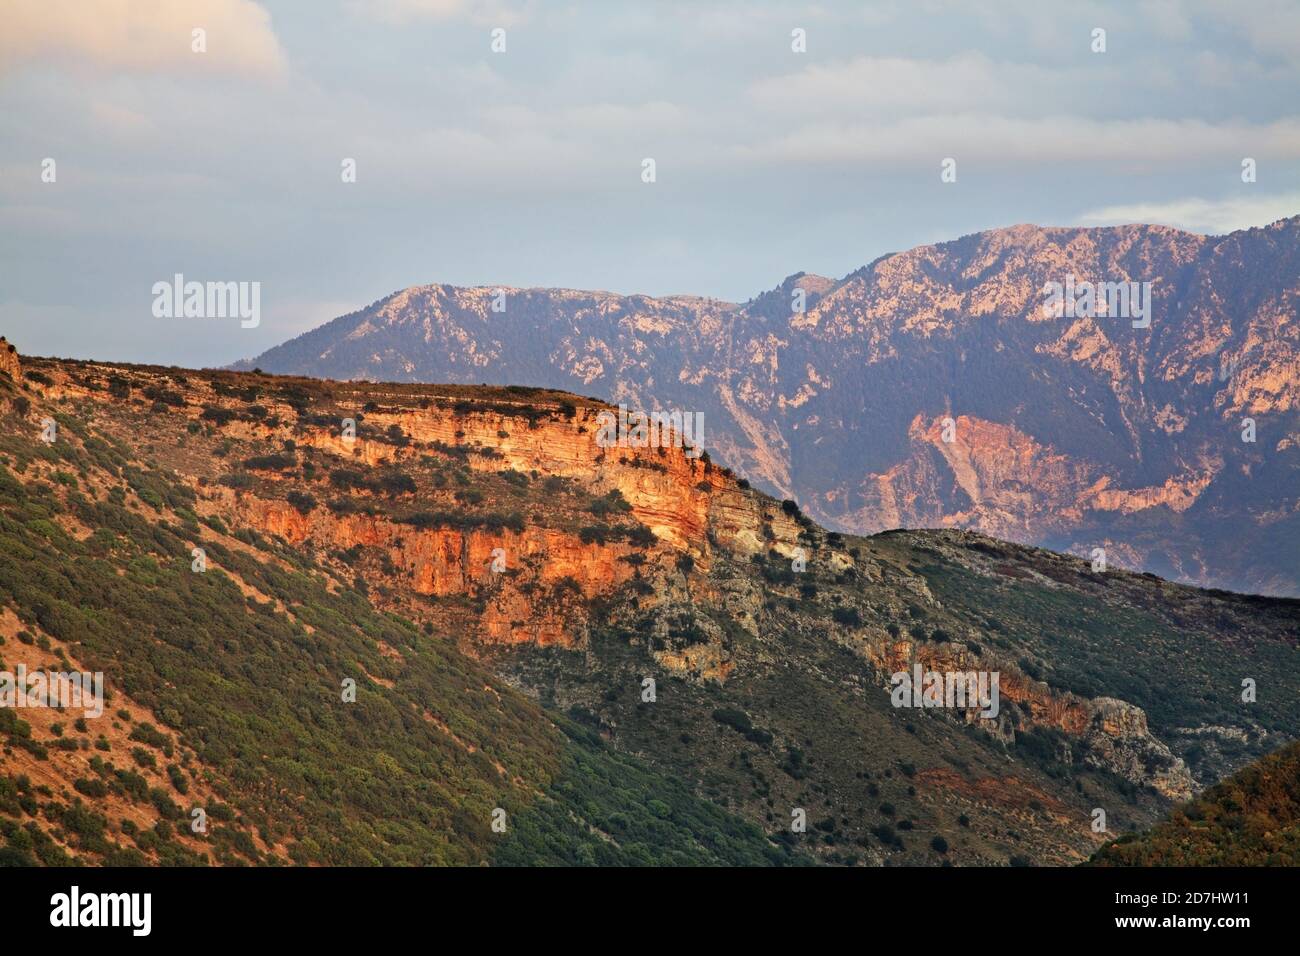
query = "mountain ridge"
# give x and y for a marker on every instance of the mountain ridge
(1070, 433)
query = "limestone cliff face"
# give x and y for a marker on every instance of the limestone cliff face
(520, 603)
(1073, 431)
(9, 362)
(689, 506)
(670, 492)
(1000, 480)
(1118, 739)
(1102, 732)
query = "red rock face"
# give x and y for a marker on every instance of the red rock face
(548, 573)
(9, 363)
(541, 594)
(441, 562)
(1013, 487)
(1115, 733)
(663, 485)
(1071, 432)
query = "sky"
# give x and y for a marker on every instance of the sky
(525, 166)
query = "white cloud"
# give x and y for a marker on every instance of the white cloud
(1167, 19)
(1269, 26)
(491, 12)
(1211, 216)
(1142, 144)
(900, 85)
(143, 35)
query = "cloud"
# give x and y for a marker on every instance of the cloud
(901, 85)
(1167, 19)
(1270, 26)
(490, 12)
(1211, 216)
(1142, 144)
(140, 35)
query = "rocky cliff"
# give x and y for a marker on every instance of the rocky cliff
(9, 363)
(1070, 431)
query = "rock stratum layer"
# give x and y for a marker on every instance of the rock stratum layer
(1072, 433)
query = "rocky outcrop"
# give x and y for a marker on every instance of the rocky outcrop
(523, 601)
(974, 473)
(682, 500)
(9, 362)
(1100, 732)
(1117, 739)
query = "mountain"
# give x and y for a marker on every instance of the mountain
(1073, 433)
(1251, 819)
(635, 654)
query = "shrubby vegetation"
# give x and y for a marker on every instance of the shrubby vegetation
(1107, 647)
(250, 691)
(609, 811)
(1250, 819)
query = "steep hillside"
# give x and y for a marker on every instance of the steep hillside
(1072, 432)
(714, 635)
(1251, 819)
(227, 690)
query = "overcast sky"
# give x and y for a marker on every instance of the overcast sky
(524, 168)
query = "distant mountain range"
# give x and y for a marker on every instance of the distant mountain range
(1074, 432)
